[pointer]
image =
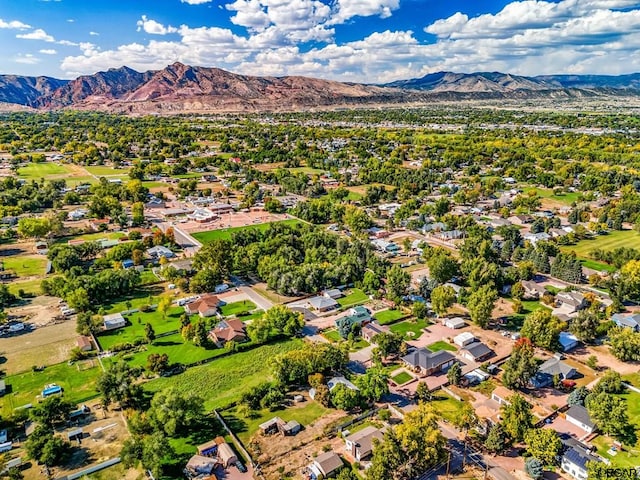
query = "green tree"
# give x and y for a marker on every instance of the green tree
(442, 267)
(578, 396)
(164, 304)
(625, 344)
(51, 411)
(119, 384)
(543, 329)
(149, 333)
(481, 303)
(421, 439)
(454, 374)
(356, 219)
(609, 413)
(389, 344)
(423, 394)
(200, 333)
(543, 444)
(156, 452)
(34, 227)
(585, 325)
(397, 283)
(173, 412)
(345, 398)
(420, 310)
(137, 213)
(373, 384)
(521, 365)
(157, 362)
(47, 449)
(79, 299)
(496, 440)
(534, 468)
(442, 298)
(611, 382)
(517, 418)
(371, 282)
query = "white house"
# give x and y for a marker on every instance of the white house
(464, 339)
(579, 416)
(574, 462)
(113, 321)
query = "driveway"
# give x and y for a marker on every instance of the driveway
(262, 302)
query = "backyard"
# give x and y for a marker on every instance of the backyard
(445, 406)
(354, 297)
(236, 308)
(224, 380)
(385, 317)
(401, 378)
(410, 329)
(227, 233)
(441, 345)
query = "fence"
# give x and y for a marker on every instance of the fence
(92, 469)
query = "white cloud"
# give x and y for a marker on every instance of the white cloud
(14, 25)
(154, 28)
(27, 59)
(94, 34)
(195, 2)
(526, 37)
(67, 43)
(37, 34)
(48, 51)
(70, 20)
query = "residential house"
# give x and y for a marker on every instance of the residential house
(360, 311)
(228, 331)
(98, 224)
(579, 416)
(520, 219)
(84, 343)
(325, 465)
(534, 238)
(385, 246)
(532, 290)
(113, 321)
(558, 232)
(570, 302)
(77, 214)
(335, 381)
(476, 352)
(453, 323)
(553, 368)
(568, 341)
(160, 251)
(377, 232)
(574, 462)
(226, 456)
(333, 293)
(427, 363)
(321, 303)
(371, 330)
(627, 320)
(202, 215)
(501, 395)
(205, 306)
(201, 465)
(360, 444)
(465, 338)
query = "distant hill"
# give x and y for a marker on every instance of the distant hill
(183, 88)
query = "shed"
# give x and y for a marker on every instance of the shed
(464, 339)
(51, 389)
(291, 427)
(271, 426)
(226, 455)
(113, 321)
(75, 434)
(208, 449)
(454, 323)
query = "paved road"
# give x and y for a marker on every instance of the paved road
(262, 302)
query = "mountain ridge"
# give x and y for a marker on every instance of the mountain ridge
(179, 87)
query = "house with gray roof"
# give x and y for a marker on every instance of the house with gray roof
(579, 416)
(627, 320)
(360, 444)
(574, 462)
(321, 303)
(427, 363)
(554, 367)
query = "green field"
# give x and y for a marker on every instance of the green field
(78, 382)
(93, 237)
(565, 198)
(237, 307)
(29, 286)
(25, 266)
(612, 240)
(441, 345)
(227, 233)
(355, 297)
(135, 329)
(304, 413)
(222, 381)
(445, 406)
(177, 349)
(332, 336)
(385, 317)
(410, 329)
(104, 171)
(43, 170)
(401, 378)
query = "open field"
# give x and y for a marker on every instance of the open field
(612, 240)
(386, 317)
(354, 297)
(46, 170)
(105, 171)
(29, 286)
(410, 329)
(137, 322)
(143, 296)
(227, 233)
(25, 265)
(304, 413)
(77, 380)
(224, 380)
(43, 346)
(237, 307)
(92, 237)
(547, 194)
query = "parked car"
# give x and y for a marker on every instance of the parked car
(241, 467)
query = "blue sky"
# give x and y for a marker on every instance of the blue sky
(348, 40)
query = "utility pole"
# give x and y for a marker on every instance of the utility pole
(448, 463)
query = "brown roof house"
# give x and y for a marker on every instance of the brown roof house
(84, 343)
(360, 444)
(227, 331)
(326, 464)
(205, 306)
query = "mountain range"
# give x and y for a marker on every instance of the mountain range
(183, 88)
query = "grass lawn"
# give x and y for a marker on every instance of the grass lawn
(441, 345)
(143, 296)
(75, 181)
(223, 381)
(105, 171)
(155, 184)
(78, 382)
(43, 170)
(565, 198)
(307, 170)
(25, 266)
(612, 240)
(445, 406)
(514, 322)
(227, 233)
(175, 347)
(304, 413)
(410, 329)
(355, 297)
(359, 344)
(136, 326)
(401, 378)
(485, 387)
(332, 336)
(29, 286)
(633, 379)
(385, 317)
(630, 457)
(354, 196)
(93, 237)
(237, 307)
(147, 277)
